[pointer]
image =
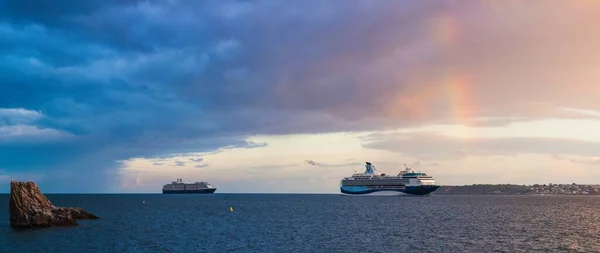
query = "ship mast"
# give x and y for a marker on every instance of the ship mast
(407, 168)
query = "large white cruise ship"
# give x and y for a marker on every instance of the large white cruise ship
(179, 186)
(375, 182)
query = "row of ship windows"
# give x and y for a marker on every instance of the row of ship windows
(186, 188)
(394, 178)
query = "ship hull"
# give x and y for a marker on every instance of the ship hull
(377, 193)
(203, 191)
(422, 190)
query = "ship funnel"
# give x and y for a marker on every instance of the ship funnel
(370, 169)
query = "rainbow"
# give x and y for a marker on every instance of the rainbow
(458, 90)
(455, 86)
(453, 89)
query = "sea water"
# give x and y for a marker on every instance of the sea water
(316, 223)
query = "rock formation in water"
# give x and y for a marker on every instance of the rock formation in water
(29, 208)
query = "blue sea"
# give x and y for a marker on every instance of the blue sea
(316, 223)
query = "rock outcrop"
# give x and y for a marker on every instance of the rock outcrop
(29, 208)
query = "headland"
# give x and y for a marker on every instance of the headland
(514, 189)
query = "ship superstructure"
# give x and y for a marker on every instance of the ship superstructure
(375, 182)
(178, 186)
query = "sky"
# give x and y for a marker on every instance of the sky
(109, 96)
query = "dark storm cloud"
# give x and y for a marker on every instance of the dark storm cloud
(131, 79)
(197, 160)
(213, 55)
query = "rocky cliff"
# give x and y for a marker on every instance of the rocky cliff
(29, 208)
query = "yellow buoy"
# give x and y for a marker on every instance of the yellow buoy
(231, 209)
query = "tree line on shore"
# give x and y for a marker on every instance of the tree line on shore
(485, 189)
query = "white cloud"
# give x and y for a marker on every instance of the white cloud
(18, 115)
(578, 129)
(582, 112)
(17, 124)
(28, 132)
(433, 146)
(585, 160)
(322, 164)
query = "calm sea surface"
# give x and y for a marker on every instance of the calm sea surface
(316, 223)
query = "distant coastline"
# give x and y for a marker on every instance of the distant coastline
(514, 189)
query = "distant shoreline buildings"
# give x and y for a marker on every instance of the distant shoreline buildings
(513, 189)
